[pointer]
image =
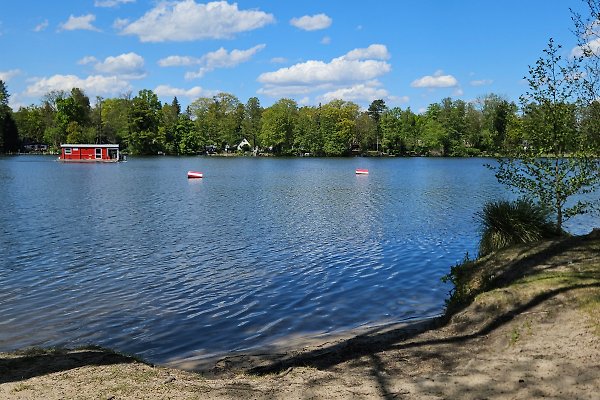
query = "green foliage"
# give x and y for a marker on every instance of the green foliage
(553, 165)
(505, 223)
(278, 122)
(31, 124)
(461, 278)
(144, 117)
(9, 134)
(252, 122)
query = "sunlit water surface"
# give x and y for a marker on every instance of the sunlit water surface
(136, 257)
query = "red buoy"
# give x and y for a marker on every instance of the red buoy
(361, 171)
(194, 174)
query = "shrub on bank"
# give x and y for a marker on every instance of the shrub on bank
(505, 223)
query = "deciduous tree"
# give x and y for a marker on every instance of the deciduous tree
(552, 167)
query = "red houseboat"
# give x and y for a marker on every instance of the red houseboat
(90, 153)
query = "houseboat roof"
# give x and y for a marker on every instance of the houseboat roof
(91, 145)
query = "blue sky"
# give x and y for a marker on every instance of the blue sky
(410, 53)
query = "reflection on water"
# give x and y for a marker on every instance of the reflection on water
(136, 257)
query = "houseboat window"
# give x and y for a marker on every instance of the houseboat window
(98, 153)
(67, 150)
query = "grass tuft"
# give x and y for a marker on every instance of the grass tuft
(506, 223)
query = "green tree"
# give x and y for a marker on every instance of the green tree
(392, 131)
(278, 123)
(9, 135)
(115, 123)
(31, 124)
(169, 119)
(144, 117)
(338, 126)
(307, 135)
(189, 140)
(588, 37)
(375, 110)
(551, 167)
(433, 137)
(587, 31)
(252, 122)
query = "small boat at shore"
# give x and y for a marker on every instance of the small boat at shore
(194, 175)
(361, 171)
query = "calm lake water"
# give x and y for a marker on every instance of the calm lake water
(136, 257)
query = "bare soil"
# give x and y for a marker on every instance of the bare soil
(534, 332)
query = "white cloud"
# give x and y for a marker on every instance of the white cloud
(362, 93)
(374, 51)
(8, 75)
(111, 3)
(358, 93)
(120, 23)
(196, 91)
(178, 61)
(41, 26)
(279, 60)
(87, 60)
(210, 61)
(223, 59)
(312, 22)
(291, 90)
(92, 85)
(326, 40)
(305, 101)
(437, 80)
(349, 77)
(592, 46)
(481, 82)
(186, 20)
(127, 66)
(79, 23)
(348, 68)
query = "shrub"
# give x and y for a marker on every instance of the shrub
(505, 223)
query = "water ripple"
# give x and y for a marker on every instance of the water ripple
(136, 257)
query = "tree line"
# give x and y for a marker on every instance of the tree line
(143, 125)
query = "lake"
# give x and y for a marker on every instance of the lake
(136, 257)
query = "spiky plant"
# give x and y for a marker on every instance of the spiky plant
(505, 223)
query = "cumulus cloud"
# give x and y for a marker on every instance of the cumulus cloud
(126, 66)
(592, 46)
(349, 77)
(358, 93)
(111, 3)
(87, 60)
(312, 22)
(210, 61)
(348, 68)
(8, 75)
(41, 26)
(196, 91)
(93, 85)
(374, 51)
(187, 20)
(481, 82)
(291, 90)
(83, 22)
(437, 80)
